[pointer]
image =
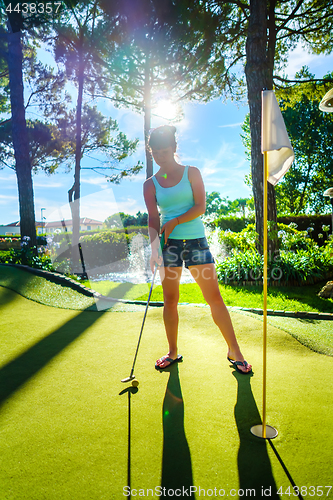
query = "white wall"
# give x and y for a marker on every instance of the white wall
(5, 230)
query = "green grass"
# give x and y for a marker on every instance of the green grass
(64, 412)
(317, 335)
(42, 290)
(279, 298)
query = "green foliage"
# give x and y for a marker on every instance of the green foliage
(106, 247)
(316, 225)
(223, 206)
(4, 82)
(120, 219)
(300, 260)
(244, 240)
(299, 267)
(310, 132)
(235, 224)
(132, 229)
(246, 140)
(47, 149)
(27, 256)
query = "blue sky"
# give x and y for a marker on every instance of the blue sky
(208, 137)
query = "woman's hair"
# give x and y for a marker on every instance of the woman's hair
(163, 137)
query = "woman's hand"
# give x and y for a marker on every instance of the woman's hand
(155, 259)
(168, 227)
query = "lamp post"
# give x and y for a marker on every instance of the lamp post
(329, 193)
(42, 218)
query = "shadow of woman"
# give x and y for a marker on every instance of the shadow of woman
(254, 466)
(176, 460)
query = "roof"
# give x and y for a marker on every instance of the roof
(84, 220)
(68, 222)
(13, 224)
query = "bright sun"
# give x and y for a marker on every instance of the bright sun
(165, 109)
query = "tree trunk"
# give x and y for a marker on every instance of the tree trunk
(20, 137)
(147, 117)
(258, 72)
(75, 190)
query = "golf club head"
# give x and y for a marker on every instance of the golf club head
(128, 379)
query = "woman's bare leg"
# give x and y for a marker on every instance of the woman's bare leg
(170, 285)
(206, 278)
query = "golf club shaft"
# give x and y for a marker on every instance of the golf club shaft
(146, 310)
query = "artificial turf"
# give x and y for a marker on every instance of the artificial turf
(315, 334)
(302, 298)
(64, 417)
(43, 290)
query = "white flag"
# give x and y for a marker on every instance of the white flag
(274, 138)
(326, 103)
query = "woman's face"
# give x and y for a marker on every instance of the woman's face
(163, 156)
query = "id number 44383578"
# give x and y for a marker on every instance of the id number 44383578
(311, 491)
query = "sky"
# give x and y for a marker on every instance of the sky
(208, 137)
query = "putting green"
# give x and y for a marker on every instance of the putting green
(64, 427)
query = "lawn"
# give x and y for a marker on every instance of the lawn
(315, 334)
(70, 430)
(302, 298)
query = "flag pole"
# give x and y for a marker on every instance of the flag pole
(263, 430)
(265, 300)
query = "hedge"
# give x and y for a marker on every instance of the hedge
(237, 224)
(106, 247)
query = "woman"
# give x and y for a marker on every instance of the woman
(180, 194)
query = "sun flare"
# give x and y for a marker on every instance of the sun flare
(166, 109)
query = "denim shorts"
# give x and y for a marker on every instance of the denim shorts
(191, 252)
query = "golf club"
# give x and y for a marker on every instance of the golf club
(132, 376)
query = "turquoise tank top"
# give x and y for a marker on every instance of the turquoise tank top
(175, 201)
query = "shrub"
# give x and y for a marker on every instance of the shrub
(27, 256)
(243, 241)
(292, 239)
(303, 222)
(300, 260)
(235, 224)
(132, 229)
(106, 247)
(299, 267)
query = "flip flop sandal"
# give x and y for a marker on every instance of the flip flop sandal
(236, 364)
(170, 360)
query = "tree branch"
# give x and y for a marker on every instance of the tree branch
(306, 29)
(122, 101)
(291, 15)
(286, 80)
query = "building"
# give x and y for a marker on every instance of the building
(12, 229)
(86, 224)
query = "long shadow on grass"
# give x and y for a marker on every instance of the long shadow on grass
(18, 371)
(286, 471)
(130, 391)
(176, 460)
(254, 466)
(13, 279)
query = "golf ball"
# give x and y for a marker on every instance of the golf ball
(135, 383)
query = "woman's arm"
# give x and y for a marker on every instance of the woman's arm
(153, 221)
(199, 206)
(199, 195)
